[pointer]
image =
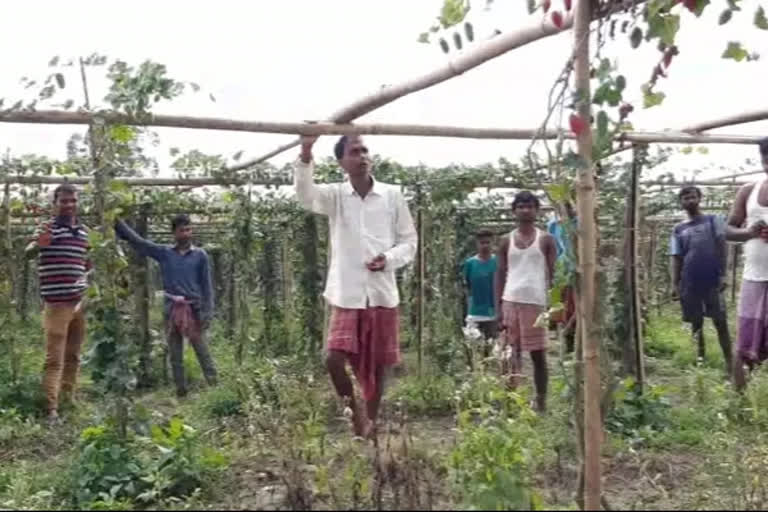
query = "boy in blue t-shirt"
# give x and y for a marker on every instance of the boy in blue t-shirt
(698, 251)
(478, 272)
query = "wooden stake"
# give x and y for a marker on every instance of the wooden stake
(636, 319)
(142, 300)
(420, 278)
(735, 267)
(587, 235)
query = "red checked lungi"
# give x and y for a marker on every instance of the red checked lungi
(370, 338)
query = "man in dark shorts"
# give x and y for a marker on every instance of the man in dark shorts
(698, 251)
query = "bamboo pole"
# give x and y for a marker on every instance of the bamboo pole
(734, 270)
(471, 59)
(330, 128)
(284, 180)
(142, 301)
(587, 234)
(420, 277)
(639, 370)
(742, 118)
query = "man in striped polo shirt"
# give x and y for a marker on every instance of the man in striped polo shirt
(63, 267)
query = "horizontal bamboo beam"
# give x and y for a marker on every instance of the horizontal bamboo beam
(309, 128)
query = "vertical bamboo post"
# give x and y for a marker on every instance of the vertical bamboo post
(142, 300)
(637, 158)
(24, 291)
(7, 254)
(629, 345)
(587, 236)
(232, 297)
(653, 296)
(420, 278)
(735, 267)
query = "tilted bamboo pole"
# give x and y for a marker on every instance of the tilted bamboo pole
(587, 250)
(326, 128)
(742, 118)
(483, 52)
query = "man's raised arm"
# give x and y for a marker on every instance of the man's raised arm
(142, 245)
(313, 197)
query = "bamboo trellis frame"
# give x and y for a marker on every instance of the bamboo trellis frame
(491, 49)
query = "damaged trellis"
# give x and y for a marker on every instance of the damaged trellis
(587, 234)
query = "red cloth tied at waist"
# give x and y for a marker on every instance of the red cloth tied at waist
(182, 317)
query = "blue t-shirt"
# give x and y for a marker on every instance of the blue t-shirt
(696, 241)
(479, 274)
(562, 242)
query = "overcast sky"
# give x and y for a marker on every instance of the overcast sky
(295, 60)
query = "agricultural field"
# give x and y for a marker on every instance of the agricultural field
(106, 220)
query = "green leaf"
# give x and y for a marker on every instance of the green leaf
(60, 80)
(664, 27)
(760, 20)
(687, 150)
(531, 6)
(424, 37)
(122, 133)
(703, 150)
(602, 124)
(650, 98)
(636, 37)
(700, 6)
(54, 62)
(735, 51)
(453, 12)
(559, 192)
(725, 16)
(621, 83)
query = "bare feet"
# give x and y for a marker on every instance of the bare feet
(53, 418)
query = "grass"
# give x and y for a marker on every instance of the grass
(681, 445)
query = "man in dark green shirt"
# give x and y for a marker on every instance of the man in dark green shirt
(479, 271)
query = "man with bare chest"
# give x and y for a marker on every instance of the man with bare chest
(526, 263)
(748, 222)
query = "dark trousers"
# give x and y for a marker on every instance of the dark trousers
(176, 351)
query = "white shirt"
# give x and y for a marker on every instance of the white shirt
(360, 229)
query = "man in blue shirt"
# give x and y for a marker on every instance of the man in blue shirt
(188, 306)
(478, 272)
(699, 256)
(562, 230)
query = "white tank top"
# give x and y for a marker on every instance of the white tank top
(526, 273)
(756, 250)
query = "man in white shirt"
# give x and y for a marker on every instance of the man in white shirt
(372, 235)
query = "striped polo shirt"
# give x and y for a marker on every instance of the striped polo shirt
(63, 264)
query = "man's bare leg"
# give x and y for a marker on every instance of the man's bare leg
(372, 406)
(723, 336)
(697, 326)
(336, 362)
(540, 378)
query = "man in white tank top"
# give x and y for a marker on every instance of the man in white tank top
(526, 263)
(748, 222)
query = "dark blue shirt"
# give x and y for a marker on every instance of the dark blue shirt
(186, 274)
(697, 241)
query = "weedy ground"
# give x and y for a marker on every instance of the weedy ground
(273, 436)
